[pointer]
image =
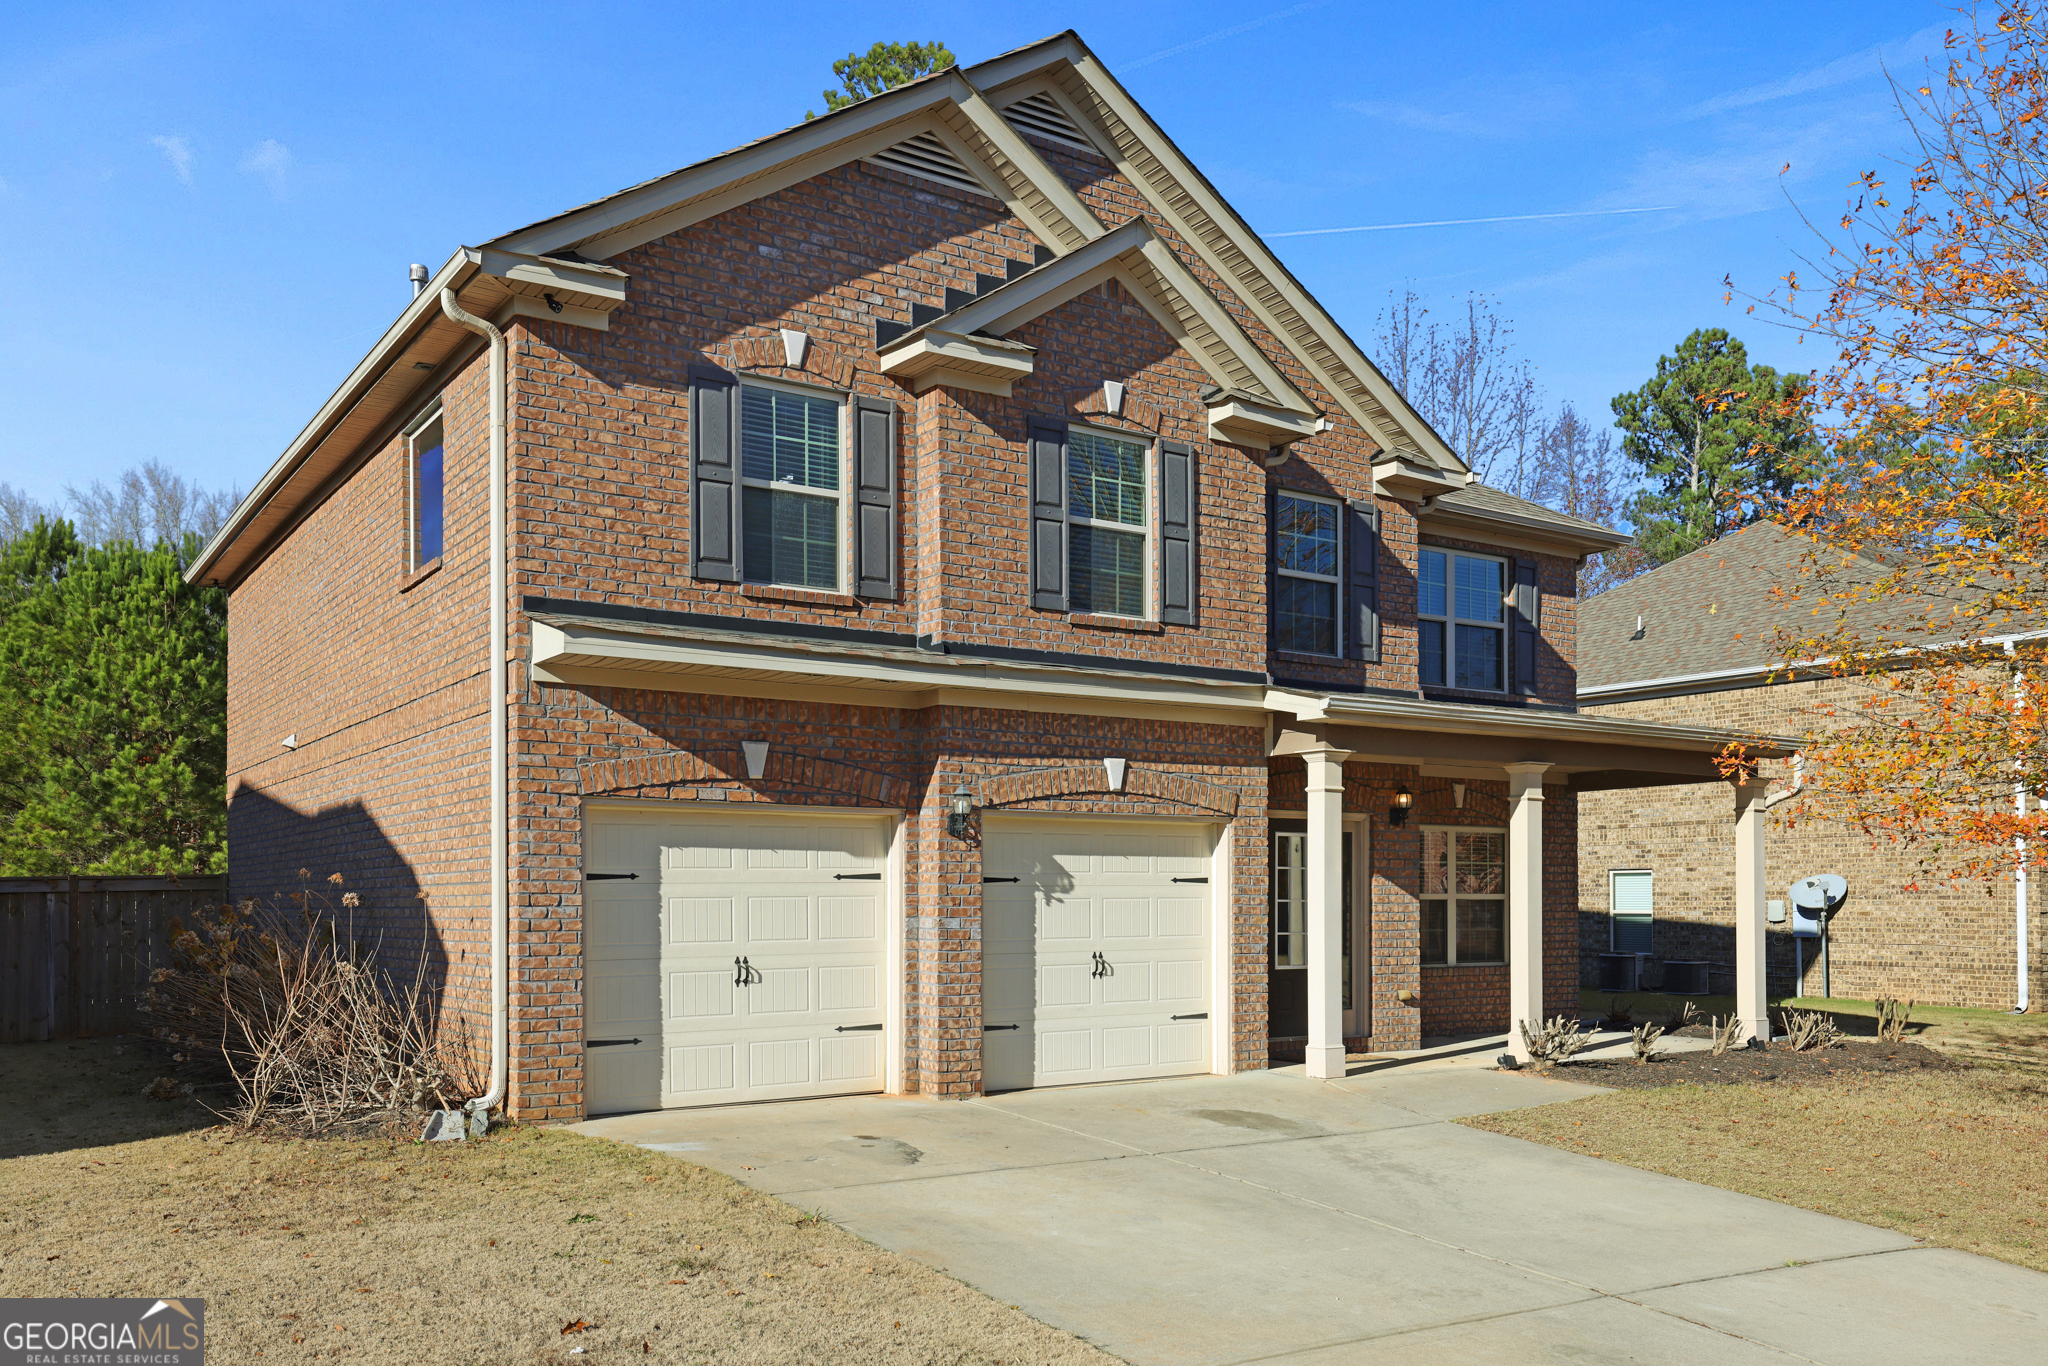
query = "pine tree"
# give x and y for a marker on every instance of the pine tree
(886, 66)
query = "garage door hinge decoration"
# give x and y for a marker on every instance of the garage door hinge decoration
(611, 877)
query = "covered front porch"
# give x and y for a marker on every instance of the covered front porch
(1384, 906)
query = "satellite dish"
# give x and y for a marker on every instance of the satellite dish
(1821, 895)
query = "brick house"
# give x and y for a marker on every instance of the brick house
(1694, 642)
(937, 551)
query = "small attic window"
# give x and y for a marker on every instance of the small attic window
(1041, 116)
(927, 157)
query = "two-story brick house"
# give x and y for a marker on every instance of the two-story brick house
(921, 602)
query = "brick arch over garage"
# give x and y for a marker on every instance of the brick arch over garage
(1039, 784)
(726, 768)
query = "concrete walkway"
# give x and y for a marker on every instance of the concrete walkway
(1271, 1218)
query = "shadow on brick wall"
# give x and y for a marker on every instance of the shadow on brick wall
(271, 842)
(1689, 941)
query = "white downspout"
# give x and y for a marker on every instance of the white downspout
(1798, 772)
(2019, 842)
(481, 1107)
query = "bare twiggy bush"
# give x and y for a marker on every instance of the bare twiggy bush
(1892, 1019)
(1643, 1041)
(313, 1032)
(1618, 1010)
(1807, 1030)
(1555, 1042)
(1724, 1034)
(1685, 1016)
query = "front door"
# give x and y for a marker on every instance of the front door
(1287, 942)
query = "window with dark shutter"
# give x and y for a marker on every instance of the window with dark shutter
(875, 517)
(714, 475)
(1048, 529)
(1362, 550)
(1528, 600)
(1178, 578)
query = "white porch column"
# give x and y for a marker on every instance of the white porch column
(1325, 879)
(1525, 902)
(1750, 994)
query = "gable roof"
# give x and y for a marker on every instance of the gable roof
(1484, 508)
(1709, 619)
(1058, 81)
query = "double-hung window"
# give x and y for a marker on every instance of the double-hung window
(792, 490)
(1307, 586)
(1462, 620)
(1109, 537)
(1633, 919)
(1464, 895)
(423, 489)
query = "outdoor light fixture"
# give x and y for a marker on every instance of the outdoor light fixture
(958, 809)
(1397, 814)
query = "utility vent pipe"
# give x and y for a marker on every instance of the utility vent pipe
(418, 274)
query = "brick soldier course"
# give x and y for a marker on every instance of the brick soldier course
(813, 259)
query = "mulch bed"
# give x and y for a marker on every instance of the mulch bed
(1775, 1063)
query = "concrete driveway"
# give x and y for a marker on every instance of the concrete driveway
(1272, 1218)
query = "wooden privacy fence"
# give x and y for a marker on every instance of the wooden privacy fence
(75, 953)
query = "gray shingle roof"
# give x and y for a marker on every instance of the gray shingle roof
(1709, 611)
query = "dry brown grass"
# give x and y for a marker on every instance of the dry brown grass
(381, 1250)
(1959, 1159)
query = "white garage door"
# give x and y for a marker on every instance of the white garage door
(1096, 958)
(731, 957)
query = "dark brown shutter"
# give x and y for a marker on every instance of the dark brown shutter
(714, 474)
(1178, 579)
(1527, 611)
(1272, 568)
(1047, 452)
(874, 513)
(1362, 580)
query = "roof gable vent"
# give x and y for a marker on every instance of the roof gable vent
(1041, 115)
(924, 155)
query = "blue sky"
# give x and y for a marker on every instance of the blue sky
(207, 210)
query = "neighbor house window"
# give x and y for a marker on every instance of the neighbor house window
(1462, 612)
(1632, 910)
(424, 483)
(1464, 896)
(1109, 548)
(1305, 547)
(792, 500)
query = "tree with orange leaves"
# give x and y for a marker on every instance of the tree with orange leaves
(1926, 585)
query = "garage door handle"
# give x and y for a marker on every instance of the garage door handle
(611, 877)
(1203, 1016)
(1191, 879)
(608, 1043)
(999, 879)
(856, 877)
(855, 1029)
(990, 1029)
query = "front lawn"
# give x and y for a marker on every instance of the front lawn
(518, 1249)
(1958, 1159)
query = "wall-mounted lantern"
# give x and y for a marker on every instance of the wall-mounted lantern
(1397, 814)
(959, 809)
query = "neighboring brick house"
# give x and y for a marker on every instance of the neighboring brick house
(1695, 642)
(921, 602)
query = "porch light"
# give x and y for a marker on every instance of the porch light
(958, 809)
(1397, 814)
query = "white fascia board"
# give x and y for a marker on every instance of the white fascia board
(593, 286)
(1017, 149)
(578, 644)
(1484, 520)
(1766, 673)
(458, 270)
(929, 351)
(1257, 426)
(1393, 713)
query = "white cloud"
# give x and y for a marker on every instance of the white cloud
(1743, 175)
(271, 160)
(178, 152)
(1220, 35)
(1840, 71)
(1461, 124)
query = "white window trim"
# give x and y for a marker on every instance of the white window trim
(428, 416)
(843, 519)
(1336, 580)
(1454, 897)
(1150, 555)
(1452, 621)
(1612, 914)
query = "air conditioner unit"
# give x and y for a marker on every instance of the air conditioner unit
(1621, 971)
